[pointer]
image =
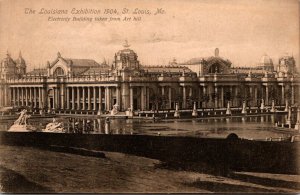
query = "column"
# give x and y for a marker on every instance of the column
(22, 96)
(26, 96)
(94, 98)
(118, 94)
(83, 98)
(58, 98)
(89, 98)
(14, 96)
(54, 97)
(9, 96)
(68, 97)
(131, 98)
(222, 97)
(216, 97)
(109, 98)
(255, 96)
(142, 98)
(293, 94)
(147, 98)
(231, 96)
(1, 95)
(78, 98)
(30, 97)
(105, 98)
(40, 97)
(163, 90)
(62, 97)
(183, 97)
(12, 102)
(34, 96)
(204, 94)
(100, 99)
(170, 97)
(17, 96)
(73, 98)
(282, 94)
(251, 91)
(44, 96)
(5, 95)
(236, 93)
(191, 92)
(267, 95)
(49, 103)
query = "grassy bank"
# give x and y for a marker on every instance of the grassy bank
(26, 169)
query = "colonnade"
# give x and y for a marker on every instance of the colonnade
(94, 98)
(28, 96)
(4, 96)
(84, 97)
(137, 97)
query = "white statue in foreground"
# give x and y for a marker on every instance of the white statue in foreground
(21, 124)
(54, 127)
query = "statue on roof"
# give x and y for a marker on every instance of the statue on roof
(126, 45)
(7, 53)
(217, 52)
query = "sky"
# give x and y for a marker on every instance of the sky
(242, 30)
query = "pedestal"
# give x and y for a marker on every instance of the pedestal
(228, 110)
(244, 110)
(176, 114)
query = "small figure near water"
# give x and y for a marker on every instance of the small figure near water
(114, 111)
(88, 127)
(107, 125)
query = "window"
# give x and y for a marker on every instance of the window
(59, 72)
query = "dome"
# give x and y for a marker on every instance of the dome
(8, 62)
(126, 51)
(266, 60)
(126, 58)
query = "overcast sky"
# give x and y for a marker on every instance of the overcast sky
(242, 30)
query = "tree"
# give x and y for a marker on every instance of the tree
(164, 101)
(215, 96)
(191, 100)
(203, 98)
(227, 96)
(288, 95)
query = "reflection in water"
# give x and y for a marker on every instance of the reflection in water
(254, 127)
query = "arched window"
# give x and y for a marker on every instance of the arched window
(59, 72)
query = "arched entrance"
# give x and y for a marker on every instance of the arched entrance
(50, 96)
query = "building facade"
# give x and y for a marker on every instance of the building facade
(83, 85)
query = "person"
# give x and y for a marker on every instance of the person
(88, 127)
(76, 127)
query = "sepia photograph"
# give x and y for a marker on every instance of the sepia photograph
(149, 96)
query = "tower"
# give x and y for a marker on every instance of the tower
(286, 64)
(126, 58)
(7, 67)
(20, 65)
